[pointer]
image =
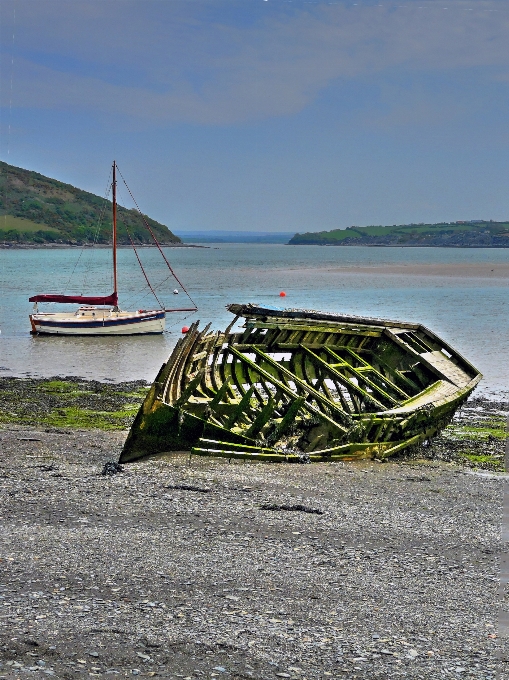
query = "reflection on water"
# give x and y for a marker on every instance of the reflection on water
(110, 358)
(470, 313)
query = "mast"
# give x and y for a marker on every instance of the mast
(114, 187)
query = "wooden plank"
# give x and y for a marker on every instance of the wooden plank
(289, 392)
(320, 398)
(187, 392)
(289, 416)
(368, 331)
(369, 367)
(262, 417)
(361, 376)
(449, 370)
(345, 381)
(232, 446)
(241, 408)
(221, 393)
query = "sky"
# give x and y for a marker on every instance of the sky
(269, 115)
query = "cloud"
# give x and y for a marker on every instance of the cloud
(185, 62)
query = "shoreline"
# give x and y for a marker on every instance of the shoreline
(491, 395)
(475, 437)
(488, 270)
(399, 245)
(53, 246)
(212, 244)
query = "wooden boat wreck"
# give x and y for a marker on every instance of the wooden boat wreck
(299, 386)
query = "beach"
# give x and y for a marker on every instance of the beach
(456, 270)
(190, 567)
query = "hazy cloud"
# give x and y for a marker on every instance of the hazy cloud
(180, 61)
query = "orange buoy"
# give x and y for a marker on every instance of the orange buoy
(282, 294)
(185, 329)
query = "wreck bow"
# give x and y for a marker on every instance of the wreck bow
(296, 385)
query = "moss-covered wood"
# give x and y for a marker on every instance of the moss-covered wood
(295, 385)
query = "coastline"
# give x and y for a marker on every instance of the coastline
(403, 245)
(475, 438)
(52, 246)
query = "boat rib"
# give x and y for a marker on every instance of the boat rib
(301, 386)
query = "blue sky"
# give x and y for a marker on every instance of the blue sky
(271, 115)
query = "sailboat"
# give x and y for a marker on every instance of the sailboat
(101, 315)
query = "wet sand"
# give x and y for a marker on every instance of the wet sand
(489, 270)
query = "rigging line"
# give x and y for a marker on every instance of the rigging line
(155, 240)
(138, 299)
(97, 232)
(142, 269)
(132, 301)
(101, 217)
(178, 321)
(156, 287)
(135, 298)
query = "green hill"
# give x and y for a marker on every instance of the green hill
(35, 209)
(472, 234)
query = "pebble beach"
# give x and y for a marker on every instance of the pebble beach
(179, 567)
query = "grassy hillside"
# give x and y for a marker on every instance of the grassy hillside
(474, 234)
(37, 209)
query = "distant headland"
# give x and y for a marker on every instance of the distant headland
(38, 210)
(461, 234)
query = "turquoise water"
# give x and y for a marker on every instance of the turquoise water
(471, 313)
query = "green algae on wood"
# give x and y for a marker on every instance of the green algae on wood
(300, 385)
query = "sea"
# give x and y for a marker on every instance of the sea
(432, 286)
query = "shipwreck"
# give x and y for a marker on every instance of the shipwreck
(301, 386)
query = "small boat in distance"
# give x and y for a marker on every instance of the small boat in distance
(101, 315)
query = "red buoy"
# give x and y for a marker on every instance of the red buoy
(185, 329)
(282, 294)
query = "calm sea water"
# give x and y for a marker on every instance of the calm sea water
(470, 313)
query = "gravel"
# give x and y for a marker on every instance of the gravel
(137, 574)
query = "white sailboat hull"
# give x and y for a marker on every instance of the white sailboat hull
(90, 321)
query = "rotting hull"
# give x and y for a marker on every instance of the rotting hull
(300, 385)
